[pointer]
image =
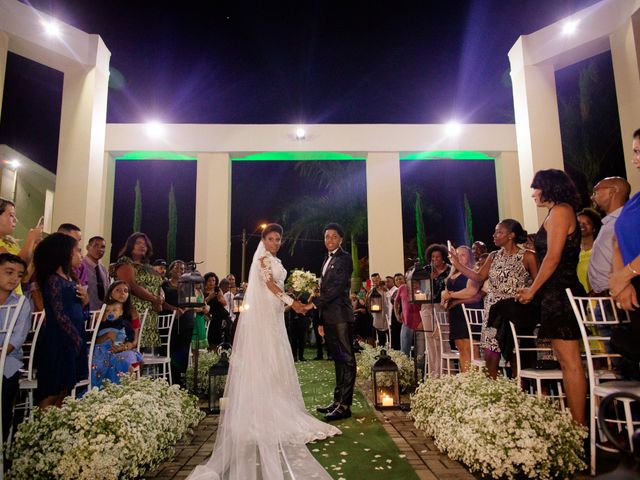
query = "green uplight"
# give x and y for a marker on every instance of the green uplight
(296, 156)
(152, 155)
(447, 155)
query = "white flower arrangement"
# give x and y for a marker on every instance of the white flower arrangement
(301, 281)
(496, 429)
(115, 433)
(205, 361)
(368, 356)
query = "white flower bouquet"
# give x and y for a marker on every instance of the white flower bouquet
(115, 433)
(368, 356)
(496, 429)
(301, 281)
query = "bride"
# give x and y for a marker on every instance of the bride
(264, 429)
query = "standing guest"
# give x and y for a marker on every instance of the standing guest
(75, 232)
(558, 251)
(160, 267)
(590, 224)
(220, 322)
(228, 298)
(62, 349)
(12, 268)
(624, 283)
(411, 321)
(380, 324)
(609, 195)
(361, 317)
(480, 251)
(394, 325)
(96, 274)
(459, 291)
(336, 317)
(8, 222)
(184, 321)
(436, 254)
(299, 328)
(505, 271)
(231, 278)
(144, 283)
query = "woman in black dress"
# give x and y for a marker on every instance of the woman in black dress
(558, 250)
(220, 322)
(461, 290)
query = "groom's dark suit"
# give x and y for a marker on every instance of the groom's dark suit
(336, 315)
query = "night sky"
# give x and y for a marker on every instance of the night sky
(283, 62)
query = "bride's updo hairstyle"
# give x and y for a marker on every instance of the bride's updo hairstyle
(272, 227)
(514, 227)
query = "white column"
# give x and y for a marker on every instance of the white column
(109, 174)
(213, 213)
(80, 181)
(508, 186)
(4, 50)
(537, 126)
(625, 52)
(384, 213)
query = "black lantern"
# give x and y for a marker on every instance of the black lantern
(419, 284)
(217, 381)
(375, 301)
(386, 383)
(238, 302)
(191, 288)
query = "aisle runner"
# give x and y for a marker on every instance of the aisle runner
(364, 450)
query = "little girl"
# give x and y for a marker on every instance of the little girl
(115, 350)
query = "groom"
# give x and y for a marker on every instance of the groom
(336, 317)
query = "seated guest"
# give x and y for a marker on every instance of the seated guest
(590, 224)
(62, 348)
(115, 351)
(12, 268)
(459, 291)
(96, 274)
(160, 266)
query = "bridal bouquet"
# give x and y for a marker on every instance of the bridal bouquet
(301, 281)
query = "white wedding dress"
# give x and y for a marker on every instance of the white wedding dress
(264, 428)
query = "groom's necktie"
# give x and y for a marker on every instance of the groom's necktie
(326, 264)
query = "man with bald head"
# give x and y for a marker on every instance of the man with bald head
(609, 195)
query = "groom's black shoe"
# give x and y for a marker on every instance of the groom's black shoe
(340, 412)
(328, 408)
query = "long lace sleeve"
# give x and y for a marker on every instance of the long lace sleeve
(53, 295)
(265, 273)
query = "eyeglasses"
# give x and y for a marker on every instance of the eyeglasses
(597, 189)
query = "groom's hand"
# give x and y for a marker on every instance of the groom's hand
(321, 330)
(298, 307)
(307, 307)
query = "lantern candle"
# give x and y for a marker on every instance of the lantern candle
(420, 296)
(375, 308)
(223, 403)
(387, 401)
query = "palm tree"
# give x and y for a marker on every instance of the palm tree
(344, 202)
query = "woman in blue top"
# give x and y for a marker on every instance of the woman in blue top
(61, 355)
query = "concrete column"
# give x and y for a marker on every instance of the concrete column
(4, 51)
(109, 175)
(537, 126)
(384, 213)
(508, 186)
(213, 213)
(80, 180)
(625, 54)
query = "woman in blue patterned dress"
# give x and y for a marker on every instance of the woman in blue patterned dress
(61, 357)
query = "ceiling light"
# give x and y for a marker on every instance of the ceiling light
(51, 28)
(300, 133)
(453, 128)
(14, 163)
(570, 27)
(154, 128)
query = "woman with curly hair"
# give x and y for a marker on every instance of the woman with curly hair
(590, 223)
(558, 250)
(144, 284)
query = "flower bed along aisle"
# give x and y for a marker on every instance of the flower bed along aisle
(496, 429)
(110, 434)
(368, 356)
